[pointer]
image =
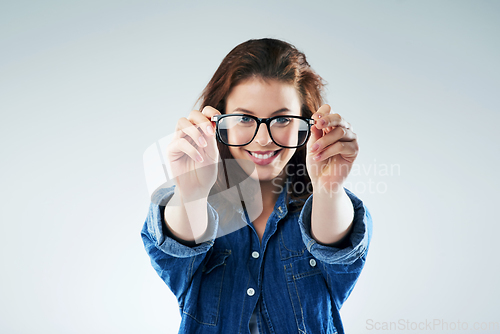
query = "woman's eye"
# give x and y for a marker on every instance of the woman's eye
(282, 120)
(245, 120)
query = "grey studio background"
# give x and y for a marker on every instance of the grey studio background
(87, 86)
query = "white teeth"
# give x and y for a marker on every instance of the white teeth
(263, 156)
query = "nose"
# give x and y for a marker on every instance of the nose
(262, 137)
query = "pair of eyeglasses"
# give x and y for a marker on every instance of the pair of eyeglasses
(240, 129)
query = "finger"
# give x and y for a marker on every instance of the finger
(346, 149)
(209, 111)
(203, 119)
(349, 135)
(332, 120)
(186, 128)
(324, 110)
(316, 134)
(211, 150)
(337, 134)
(181, 145)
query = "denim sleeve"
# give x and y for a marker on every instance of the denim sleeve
(359, 236)
(341, 266)
(174, 262)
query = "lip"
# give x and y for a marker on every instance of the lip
(267, 161)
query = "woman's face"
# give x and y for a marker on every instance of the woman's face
(263, 99)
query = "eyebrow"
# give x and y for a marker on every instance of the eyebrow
(251, 112)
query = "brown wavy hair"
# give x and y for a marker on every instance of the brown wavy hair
(267, 58)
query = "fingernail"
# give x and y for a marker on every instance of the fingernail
(199, 158)
(202, 141)
(317, 157)
(322, 122)
(210, 130)
(315, 147)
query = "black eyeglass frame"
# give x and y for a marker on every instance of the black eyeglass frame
(267, 122)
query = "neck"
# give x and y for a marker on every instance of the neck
(271, 190)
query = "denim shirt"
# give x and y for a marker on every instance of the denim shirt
(294, 284)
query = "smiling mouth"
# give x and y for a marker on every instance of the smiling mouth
(265, 155)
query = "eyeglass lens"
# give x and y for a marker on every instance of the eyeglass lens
(285, 131)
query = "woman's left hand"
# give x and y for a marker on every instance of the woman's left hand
(331, 151)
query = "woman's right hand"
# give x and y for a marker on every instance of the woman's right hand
(193, 154)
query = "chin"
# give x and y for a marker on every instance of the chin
(263, 176)
(262, 167)
(260, 173)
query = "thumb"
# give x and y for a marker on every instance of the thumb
(315, 135)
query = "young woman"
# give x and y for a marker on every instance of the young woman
(294, 260)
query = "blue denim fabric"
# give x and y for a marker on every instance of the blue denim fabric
(299, 285)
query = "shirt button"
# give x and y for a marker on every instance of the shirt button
(250, 292)
(312, 262)
(255, 255)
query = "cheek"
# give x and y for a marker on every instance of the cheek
(235, 151)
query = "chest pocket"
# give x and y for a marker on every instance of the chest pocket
(290, 242)
(203, 299)
(309, 295)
